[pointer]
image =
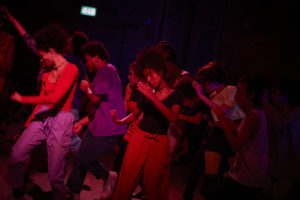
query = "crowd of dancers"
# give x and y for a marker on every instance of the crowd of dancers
(240, 136)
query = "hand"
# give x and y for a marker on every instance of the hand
(114, 117)
(77, 127)
(145, 89)
(16, 97)
(85, 87)
(7, 14)
(198, 87)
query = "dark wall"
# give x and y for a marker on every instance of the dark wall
(245, 35)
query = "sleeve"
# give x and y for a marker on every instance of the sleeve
(229, 96)
(102, 81)
(30, 42)
(65, 82)
(135, 95)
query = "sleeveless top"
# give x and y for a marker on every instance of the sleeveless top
(251, 163)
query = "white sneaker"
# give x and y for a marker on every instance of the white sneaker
(109, 184)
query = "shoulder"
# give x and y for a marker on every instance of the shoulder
(106, 71)
(71, 68)
(230, 89)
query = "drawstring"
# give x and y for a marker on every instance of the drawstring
(154, 137)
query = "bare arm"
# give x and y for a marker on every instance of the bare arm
(28, 39)
(195, 119)
(249, 129)
(128, 91)
(126, 120)
(14, 21)
(79, 124)
(85, 87)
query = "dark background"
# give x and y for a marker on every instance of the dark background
(245, 35)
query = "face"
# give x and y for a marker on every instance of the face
(187, 102)
(46, 58)
(89, 62)
(241, 95)
(277, 97)
(131, 77)
(153, 78)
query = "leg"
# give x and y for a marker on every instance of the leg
(58, 145)
(212, 162)
(156, 170)
(132, 166)
(32, 136)
(197, 170)
(91, 149)
(120, 156)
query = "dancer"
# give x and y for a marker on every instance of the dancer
(147, 153)
(102, 133)
(248, 173)
(216, 148)
(52, 119)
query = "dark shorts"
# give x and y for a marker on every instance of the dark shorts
(217, 142)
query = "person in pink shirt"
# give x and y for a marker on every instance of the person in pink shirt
(51, 119)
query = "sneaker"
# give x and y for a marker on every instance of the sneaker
(140, 195)
(109, 184)
(137, 190)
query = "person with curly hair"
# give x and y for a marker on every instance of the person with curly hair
(51, 119)
(147, 153)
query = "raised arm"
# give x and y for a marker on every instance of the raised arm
(28, 39)
(194, 119)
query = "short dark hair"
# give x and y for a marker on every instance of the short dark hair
(51, 36)
(256, 84)
(78, 39)
(211, 72)
(149, 58)
(285, 85)
(94, 48)
(187, 89)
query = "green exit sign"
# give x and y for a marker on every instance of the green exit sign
(89, 11)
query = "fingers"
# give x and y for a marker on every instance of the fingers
(77, 128)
